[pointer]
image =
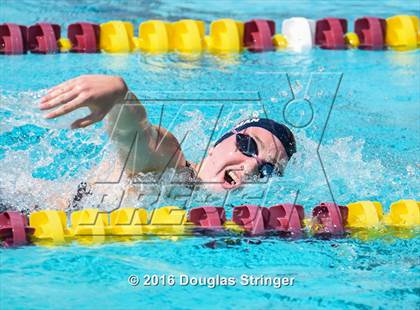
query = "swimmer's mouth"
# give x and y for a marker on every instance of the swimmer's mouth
(230, 178)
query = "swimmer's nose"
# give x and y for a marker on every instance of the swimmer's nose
(249, 167)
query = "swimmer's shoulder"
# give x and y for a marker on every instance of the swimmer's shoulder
(166, 149)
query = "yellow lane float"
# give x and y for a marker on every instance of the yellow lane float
(188, 36)
(89, 225)
(117, 37)
(167, 220)
(50, 226)
(226, 36)
(366, 214)
(403, 213)
(155, 36)
(402, 32)
(128, 222)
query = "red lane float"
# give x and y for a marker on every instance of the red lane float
(286, 217)
(329, 218)
(43, 37)
(329, 33)
(14, 230)
(84, 37)
(13, 39)
(258, 35)
(209, 217)
(371, 32)
(251, 218)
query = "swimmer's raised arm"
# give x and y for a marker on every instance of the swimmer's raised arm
(100, 93)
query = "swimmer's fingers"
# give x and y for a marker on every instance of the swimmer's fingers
(60, 89)
(55, 93)
(58, 100)
(86, 121)
(65, 85)
(74, 104)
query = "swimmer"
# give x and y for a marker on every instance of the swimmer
(254, 147)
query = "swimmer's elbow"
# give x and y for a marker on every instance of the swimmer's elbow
(165, 147)
(126, 120)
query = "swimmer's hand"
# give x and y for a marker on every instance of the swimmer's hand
(97, 92)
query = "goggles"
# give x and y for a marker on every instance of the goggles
(248, 146)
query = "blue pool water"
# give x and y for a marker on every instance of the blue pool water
(365, 108)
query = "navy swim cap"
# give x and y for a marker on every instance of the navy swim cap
(282, 132)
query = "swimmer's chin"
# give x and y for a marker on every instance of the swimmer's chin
(229, 186)
(219, 183)
(221, 187)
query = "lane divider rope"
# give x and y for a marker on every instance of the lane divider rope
(400, 33)
(50, 227)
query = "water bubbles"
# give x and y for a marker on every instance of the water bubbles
(411, 171)
(39, 159)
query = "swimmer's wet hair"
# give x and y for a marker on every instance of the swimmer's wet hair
(281, 131)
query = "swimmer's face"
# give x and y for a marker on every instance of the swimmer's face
(226, 167)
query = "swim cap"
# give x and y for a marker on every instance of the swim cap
(282, 132)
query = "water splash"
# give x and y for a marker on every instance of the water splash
(43, 164)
